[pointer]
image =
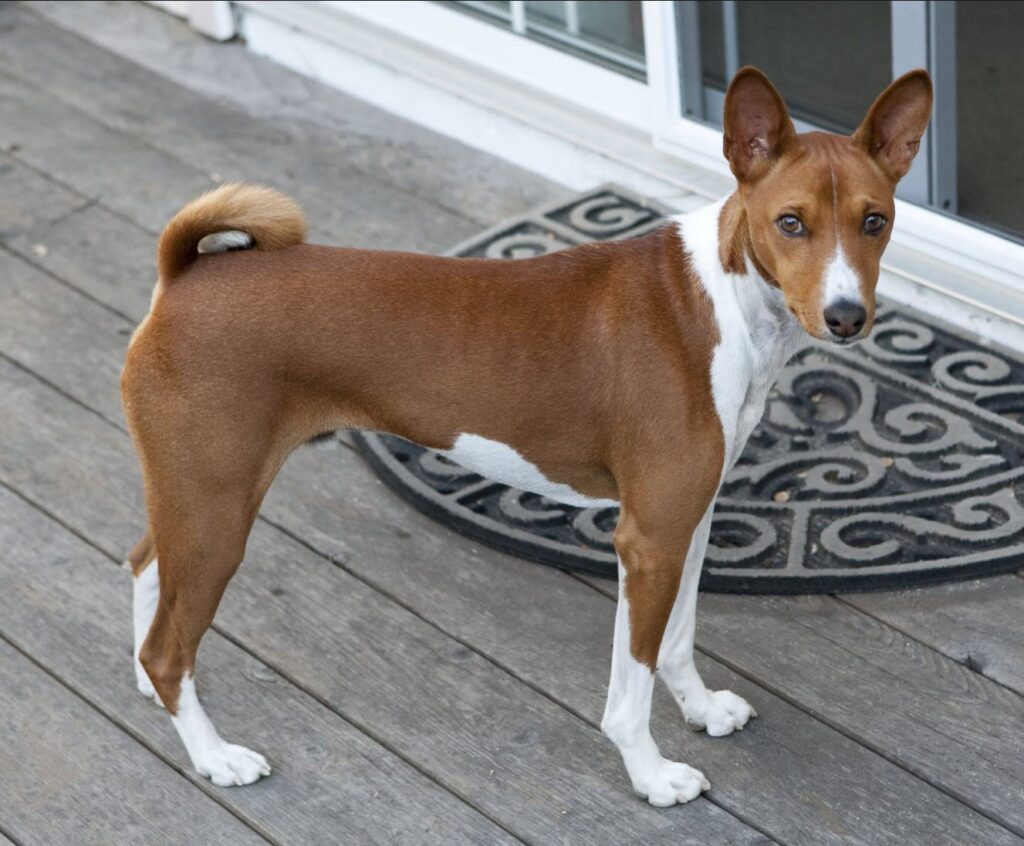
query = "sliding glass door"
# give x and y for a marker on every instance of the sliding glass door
(990, 113)
(830, 59)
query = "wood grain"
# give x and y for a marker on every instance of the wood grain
(68, 776)
(978, 623)
(69, 608)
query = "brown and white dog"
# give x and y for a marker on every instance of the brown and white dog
(665, 348)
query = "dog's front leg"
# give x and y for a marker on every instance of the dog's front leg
(649, 575)
(719, 712)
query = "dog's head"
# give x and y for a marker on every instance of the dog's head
(819, 207)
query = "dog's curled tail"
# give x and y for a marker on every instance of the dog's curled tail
(231, 217)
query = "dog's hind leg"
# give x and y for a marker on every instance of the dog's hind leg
(206, 470)
(200, 533)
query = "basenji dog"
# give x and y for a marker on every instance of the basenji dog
(627, 373)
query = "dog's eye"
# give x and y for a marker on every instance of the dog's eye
(790, 224)
(874, 223)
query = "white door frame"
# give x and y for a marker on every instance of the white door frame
(502, 53)
(213, 18)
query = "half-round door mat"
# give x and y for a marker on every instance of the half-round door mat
(895, 463)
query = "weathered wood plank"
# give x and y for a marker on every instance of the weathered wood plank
(499, 745)
(80, 241)
(910, 704)
(787, 755)
(30, 201)
(978, 623)
(379, 144)
(331, 781)
(68, 776)
(906, 701)
(215, 143)
(132, 178)
(55, 331)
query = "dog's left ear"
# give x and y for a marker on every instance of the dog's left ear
(891, 133)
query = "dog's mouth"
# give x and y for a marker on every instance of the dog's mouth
(845, 342)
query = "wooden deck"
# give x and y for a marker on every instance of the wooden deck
(407, 685)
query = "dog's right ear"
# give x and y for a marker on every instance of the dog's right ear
(757, 125)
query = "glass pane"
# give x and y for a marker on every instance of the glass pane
(990, 113)
(609, 31)
(618, 25)
(500, 6)
(500, 9)
(829, 60)
(551, 12)
(712, 43)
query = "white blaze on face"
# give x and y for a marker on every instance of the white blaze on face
(841, 282)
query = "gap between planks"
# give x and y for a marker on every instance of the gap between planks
(125, 729)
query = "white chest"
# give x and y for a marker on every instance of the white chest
(757, 335)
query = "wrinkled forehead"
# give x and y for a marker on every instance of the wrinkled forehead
(822, 170)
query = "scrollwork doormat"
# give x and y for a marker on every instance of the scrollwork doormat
(892, 464)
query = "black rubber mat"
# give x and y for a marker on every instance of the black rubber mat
(892, 464)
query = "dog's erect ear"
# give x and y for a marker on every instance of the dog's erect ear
(757, 125)
(891, 133)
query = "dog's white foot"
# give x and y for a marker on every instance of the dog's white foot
(228, 765)
(718, 712)
(670, 783)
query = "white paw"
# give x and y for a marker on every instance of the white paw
(672, 783)
(720, 713)
(228, 765)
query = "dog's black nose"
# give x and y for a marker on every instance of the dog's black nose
(845, 318)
